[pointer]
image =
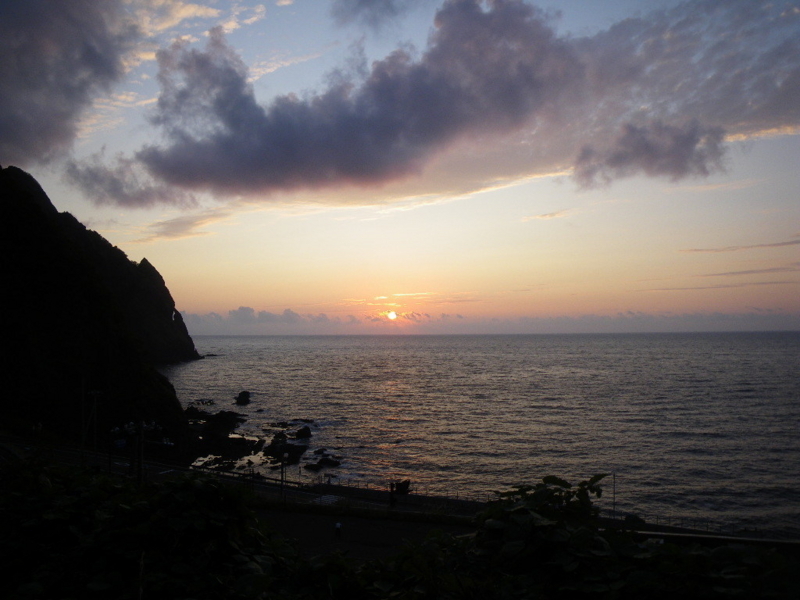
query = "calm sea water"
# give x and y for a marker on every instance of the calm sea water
(692, 425)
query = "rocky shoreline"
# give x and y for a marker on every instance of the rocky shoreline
(218, 447)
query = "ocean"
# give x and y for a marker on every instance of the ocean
(691, 426)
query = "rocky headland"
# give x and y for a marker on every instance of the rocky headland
(85, 333)
(85, 327)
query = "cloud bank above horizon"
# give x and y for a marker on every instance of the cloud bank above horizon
(247, 321)
(656, 95)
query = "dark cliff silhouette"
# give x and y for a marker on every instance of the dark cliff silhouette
(85, 327)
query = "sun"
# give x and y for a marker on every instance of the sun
(391, 315)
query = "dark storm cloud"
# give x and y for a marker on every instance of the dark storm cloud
(654, 96)
(485, 71)
(54, 57)
(370, 12)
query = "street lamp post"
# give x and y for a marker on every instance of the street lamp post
(284, 459)
(614, 495)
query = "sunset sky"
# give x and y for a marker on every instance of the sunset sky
(421, 166)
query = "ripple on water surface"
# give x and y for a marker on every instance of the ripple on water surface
(704, 423)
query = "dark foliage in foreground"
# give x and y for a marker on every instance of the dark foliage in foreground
(543, 542)
(75, 534)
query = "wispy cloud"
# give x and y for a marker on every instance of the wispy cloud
(157, 16)
(264, 67)
(413, 294)
(546, 217)
(243, 15)
(401, 299)
(730, 186)
(788, 269)
(184, 226)
(722, 286)
(459, 298)
(748, 247)
(107, 113)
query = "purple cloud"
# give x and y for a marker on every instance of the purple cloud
(485, 71)
(370, 12)
(124, 183)
(54, 58)
(653, 96)
(655, 149)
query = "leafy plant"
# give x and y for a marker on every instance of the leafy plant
(73, 533)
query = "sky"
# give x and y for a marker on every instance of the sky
(423, 166)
